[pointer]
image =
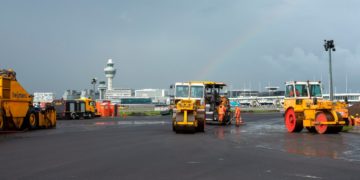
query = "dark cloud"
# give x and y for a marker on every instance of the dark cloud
(58, 45)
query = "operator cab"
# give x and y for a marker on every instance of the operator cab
(202, 90)
(214, 91)
(303, 90)
(189, 90)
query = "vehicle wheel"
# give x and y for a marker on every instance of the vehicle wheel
(201, 126)
(349, 125)
(20, 123)
(291, 123)
(90, 115)
(321, 128)
(73, 116)
(311, 129)
(173, 127)
(193, 130)
(2, 122)
(48, 123)
(32, 120)
(335, 129)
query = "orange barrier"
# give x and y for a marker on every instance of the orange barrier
(104, 108)
(98, 108)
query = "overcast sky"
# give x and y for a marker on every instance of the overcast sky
(59, 45)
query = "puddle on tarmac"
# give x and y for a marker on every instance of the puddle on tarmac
(274, 137)
(315, 145)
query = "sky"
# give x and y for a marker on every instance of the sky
(58, 45)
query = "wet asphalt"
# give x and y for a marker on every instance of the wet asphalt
(147, 148)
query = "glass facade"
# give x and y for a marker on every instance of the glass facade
(135, 101)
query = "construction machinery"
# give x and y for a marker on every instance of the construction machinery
(197, 102)
(75, 109)
(90, 108)
(304, 106)
(217, 103)
(16, 106)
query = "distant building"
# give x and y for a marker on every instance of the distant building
(74, 94)
(242, 93)
(270, 91)
(352, 97)
(271, 97)
(117, 93)
(108, 92)
(102, 89)
(71, 95)
(45, 97)
(89, 93)
(157, 95)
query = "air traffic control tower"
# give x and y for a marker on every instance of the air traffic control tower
(110, 72)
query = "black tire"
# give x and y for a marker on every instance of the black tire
(73, 116)
(173, 127)
(201, 126)
(193, 130)
(23, 126)
(48, 124)
(3, 121)
(311, 129)
(90, 115)
(335, 129)
(32, 120)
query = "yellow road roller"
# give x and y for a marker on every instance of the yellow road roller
(304, 106)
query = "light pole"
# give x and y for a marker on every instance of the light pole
(330, 46)
(93, 82)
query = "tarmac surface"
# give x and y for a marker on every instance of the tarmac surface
(147, 148)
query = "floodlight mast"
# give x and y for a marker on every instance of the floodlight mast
(330, 46)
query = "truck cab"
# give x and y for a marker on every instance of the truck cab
(90, 108)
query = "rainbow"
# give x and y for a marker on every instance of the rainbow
(242, 39)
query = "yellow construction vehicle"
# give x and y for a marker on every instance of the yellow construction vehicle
(75, 109)
(16, 106)
(195, 103)
(90, 108)
(304, 106)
